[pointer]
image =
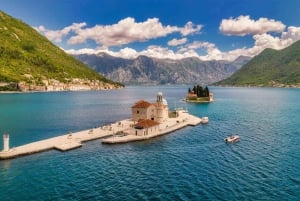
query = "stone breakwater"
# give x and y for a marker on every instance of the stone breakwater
(65, 142)
(119, 132)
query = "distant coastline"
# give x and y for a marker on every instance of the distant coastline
(261, 86)
(56, 86)
(24, 92)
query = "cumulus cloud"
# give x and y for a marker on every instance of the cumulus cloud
(243, 25)
(212, 52)
(128, 30)
(292, 34)
(176, 42)
(57, 35)
(261, 42)
(129, 53)
(83, 51)
(190, 28)
(124, 32)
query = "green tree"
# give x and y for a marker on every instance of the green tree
(206, 92)
(195, 90)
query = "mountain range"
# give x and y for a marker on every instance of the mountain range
(148, 70)
(30, 62)
(275, 68)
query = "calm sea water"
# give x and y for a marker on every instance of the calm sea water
(193, 163)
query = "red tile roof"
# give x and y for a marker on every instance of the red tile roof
(147, 123)
(142, 104)
(192, 95)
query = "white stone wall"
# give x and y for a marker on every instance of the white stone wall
(146, 131)
(143, 113)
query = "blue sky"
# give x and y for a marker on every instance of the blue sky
(208, 29)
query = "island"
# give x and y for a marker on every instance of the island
(148, 120)
(199, 95)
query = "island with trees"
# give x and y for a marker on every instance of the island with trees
(199, 95)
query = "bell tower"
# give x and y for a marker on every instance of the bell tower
(159, 107)
(159, 98)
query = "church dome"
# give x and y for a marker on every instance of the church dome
(165, 102)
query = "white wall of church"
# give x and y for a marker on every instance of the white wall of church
(143, 113)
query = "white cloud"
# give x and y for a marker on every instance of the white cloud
(243, 25)
(129, 53)
(82, 51)
(128, 30)
(292, 34)
(160, 52)
(194, 45)
(261, 42)
(124, 32)
(57, 35)
(176, 42)
(199, 44)
(190, 28)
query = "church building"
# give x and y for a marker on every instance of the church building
(149, 115)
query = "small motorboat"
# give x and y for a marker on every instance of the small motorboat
(232, 138)
(204, 120)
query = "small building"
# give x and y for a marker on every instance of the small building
(146, 127)
(192, 96)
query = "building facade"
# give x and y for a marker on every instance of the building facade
(158, 111)
(148, 115)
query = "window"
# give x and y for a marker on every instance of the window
(137, 111)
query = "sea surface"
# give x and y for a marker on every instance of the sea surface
(193, 163)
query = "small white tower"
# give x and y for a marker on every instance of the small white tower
(6, 142)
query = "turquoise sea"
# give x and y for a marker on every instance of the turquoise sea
(193, 163)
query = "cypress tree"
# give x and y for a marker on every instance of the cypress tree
(201, 92)
(206, 92)
(195, 90)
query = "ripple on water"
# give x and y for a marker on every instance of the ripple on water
(193, 163)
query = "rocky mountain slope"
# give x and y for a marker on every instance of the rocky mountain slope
(28, 61)
(146, 70)
(279, 68)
